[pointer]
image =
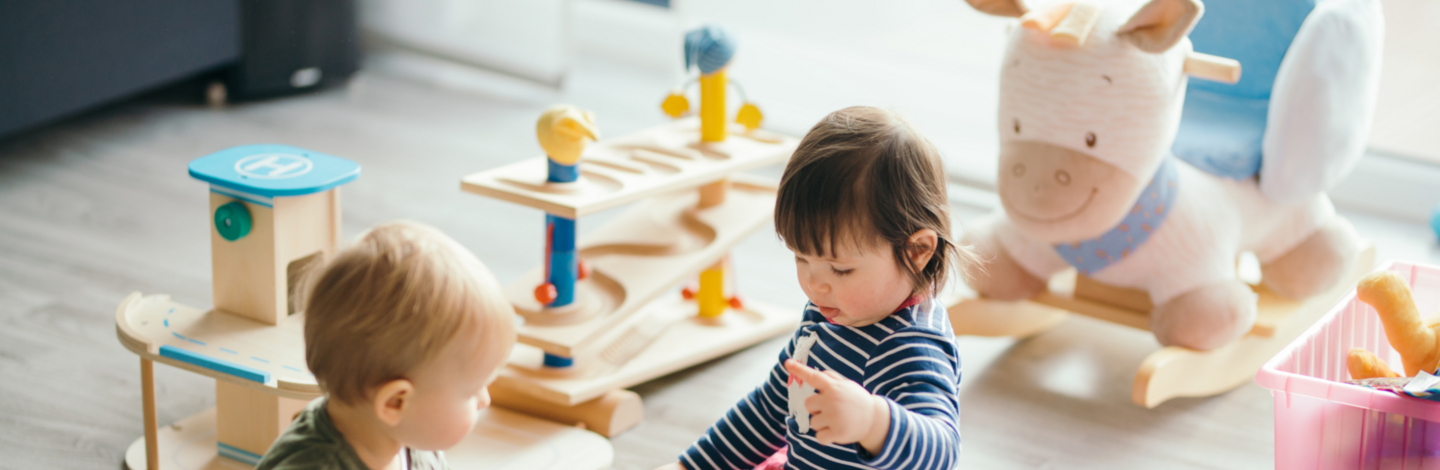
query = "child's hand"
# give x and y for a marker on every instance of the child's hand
(843, 412)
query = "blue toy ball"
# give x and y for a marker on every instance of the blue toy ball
(709, 47)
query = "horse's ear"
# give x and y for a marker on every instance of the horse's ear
(1011, 8)
(1160, 24)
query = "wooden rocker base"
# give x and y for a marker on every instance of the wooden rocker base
(1172, 371)
(501, 440)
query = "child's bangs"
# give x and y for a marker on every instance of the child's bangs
(822, 229)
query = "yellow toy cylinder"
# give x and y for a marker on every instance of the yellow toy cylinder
(712, 107)
(711, 296)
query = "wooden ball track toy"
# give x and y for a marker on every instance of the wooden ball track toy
(586, 338)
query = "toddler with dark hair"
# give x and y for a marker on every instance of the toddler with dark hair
(870, 380)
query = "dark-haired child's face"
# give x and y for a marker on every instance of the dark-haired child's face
(853, 287)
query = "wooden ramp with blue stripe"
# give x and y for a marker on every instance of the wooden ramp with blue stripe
(218, 344)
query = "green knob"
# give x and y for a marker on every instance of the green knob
(232, 220)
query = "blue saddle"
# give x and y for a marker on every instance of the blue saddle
(1222, 126)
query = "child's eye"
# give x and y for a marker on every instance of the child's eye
(840, 272)
(799, 259)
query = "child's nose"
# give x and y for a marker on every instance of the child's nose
(819, 285)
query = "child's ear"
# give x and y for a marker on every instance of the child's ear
(920, 247)
(391, 400)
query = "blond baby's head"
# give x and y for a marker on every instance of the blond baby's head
(411, 325)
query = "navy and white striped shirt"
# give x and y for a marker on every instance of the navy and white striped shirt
(909, 358)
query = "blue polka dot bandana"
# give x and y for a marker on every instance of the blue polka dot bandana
(1156, 202)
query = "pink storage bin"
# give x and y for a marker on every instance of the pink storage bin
(1323, 423)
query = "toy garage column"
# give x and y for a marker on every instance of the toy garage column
(275, 212)
(563, 132)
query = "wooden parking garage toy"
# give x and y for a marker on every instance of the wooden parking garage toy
(624, 322)
(276, 213)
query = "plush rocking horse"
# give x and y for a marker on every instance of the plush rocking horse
(1106, 212)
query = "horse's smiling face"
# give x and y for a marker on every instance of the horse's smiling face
(1085, 123)
(1062, 194)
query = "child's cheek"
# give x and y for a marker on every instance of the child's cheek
(460, 424)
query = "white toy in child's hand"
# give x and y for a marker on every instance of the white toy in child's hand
(841, 411)
(799, 390)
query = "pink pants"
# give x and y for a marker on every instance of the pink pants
(777, 461)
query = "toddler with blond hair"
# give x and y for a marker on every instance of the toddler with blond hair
(403, 331)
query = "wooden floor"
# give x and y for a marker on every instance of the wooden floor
(100, 205)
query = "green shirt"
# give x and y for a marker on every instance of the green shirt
(312, 443)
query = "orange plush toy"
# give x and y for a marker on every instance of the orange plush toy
(1416, 339)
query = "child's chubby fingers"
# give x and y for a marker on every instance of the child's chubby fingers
(815, 378)
(819, 404)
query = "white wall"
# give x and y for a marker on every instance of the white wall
(934, 61)
(521, 37)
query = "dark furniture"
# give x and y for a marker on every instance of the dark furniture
(61, 57)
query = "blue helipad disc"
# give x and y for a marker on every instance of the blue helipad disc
(272, 170)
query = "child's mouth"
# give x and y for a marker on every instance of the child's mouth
(829, 312)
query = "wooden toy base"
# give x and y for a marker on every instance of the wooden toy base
(1172, 371)
(609, 415)
(501, 440)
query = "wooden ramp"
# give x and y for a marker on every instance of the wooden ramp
(669, 337)
(648, 250)
(217, 344)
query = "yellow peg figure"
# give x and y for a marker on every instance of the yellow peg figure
(564, 131)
